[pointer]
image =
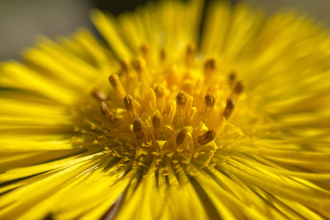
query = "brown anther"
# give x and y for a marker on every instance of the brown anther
(106, 112)
(139, 65)
(191, 48)
(116, 84)
(207, 137)
(160, 97)
(128, 102)
(114, 80)
(210, 64)
(145, 51)
(157, 122)
(181, 100)
(159, 91)
(229, 108)
(209, 69)
(209, 102)
(190, 54)
(137, 128)
(239, 87)
(145, 48)
(163, 55)
(232, 78)
(182, 135)
(125, 65)
(99, 95)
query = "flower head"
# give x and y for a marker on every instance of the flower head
(164, 125)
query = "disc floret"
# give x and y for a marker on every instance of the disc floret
(171, 113)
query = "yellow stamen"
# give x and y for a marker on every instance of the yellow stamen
(210, 64)
(157, 122)
(137, 128)
(209, 102)
(239, 88)
(99, 95)
(181, 100)
(128, 102)
(232, 78)
(145, 49)
(163, 55)
(209, 69)
(207, 137)
(182, 135)
(190, 54)
(106, 112)
(117, 86)
(160, 97)
(126, 67)
(139, 65)
(229, 108)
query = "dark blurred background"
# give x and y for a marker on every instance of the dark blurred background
(22, 20)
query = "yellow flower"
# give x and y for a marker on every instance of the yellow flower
(164, 124)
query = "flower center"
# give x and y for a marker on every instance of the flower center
(171, 112)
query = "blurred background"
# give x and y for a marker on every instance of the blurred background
(22, 20)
